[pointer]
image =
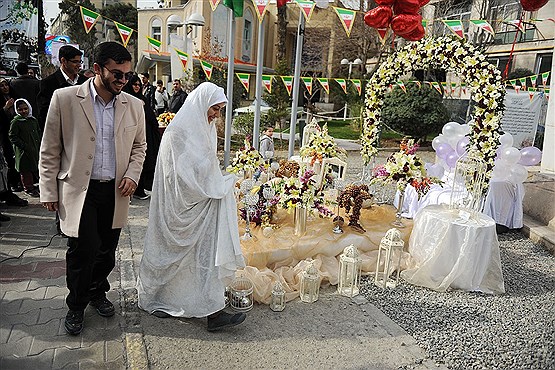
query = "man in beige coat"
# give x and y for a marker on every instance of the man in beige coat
(91, 159)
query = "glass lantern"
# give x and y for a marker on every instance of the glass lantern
(310, 284)
(391, 244)
(350, 265)
(240, 294)
(277, 303)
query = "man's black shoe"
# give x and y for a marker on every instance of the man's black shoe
(74, 322)
(103, 306)
(224, 320)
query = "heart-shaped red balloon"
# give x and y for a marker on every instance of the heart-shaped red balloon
(385, 2)
(379, 17)
(406, 7)
(417, 34)
(403, 24)
(423, 2)
(531, 5)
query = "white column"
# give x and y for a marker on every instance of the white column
(548, 151)
(258, 93)
(230, 76)
(296, 83)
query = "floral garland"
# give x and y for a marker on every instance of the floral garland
(321, 145)
(246, 159)
(165, 118)
(302, 192)
(454, 55)
(405, 167)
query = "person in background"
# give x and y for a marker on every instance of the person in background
(31, 72)
(178, 96)
(162, 98)
(91, 157)
(148, 91)
(267, 143)
(25, 86)
(6, 195)
(7, 113)
(25, 137)
(134, 87)
(87, 73)
(67, 75)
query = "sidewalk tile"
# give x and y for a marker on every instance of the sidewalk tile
(37, 293)
(41, 361)
(18, 348)
(46, 314)
(29, 318)
(11, 307)
(44, 342)
(64, 356)
(112, 365)
(17, 286)
(94, 335)
(21, 330)
(5, 331)
(35, 304)
(114, 350)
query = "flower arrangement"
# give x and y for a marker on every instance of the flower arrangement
(261, 213)
(405, 167)
(302, 192)
(352, 198)
(165, 118)
(453, 55)
(246, 159)
(321, 145)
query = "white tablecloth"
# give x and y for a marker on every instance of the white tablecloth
(503, 202)
(448, 252)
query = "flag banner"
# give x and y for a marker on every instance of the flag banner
(214, 4)
(124, 32)
(546, 91)
(531, 91)
(183, 57)
(402, 86)
(513, 83)
(89, 18)
(517, 23)
(308, 83)
(207, 68)
(244, 78)
(343, 83)
(155, 44)
(235, 5)
(455, 26)
(463, 87)
(534, 78)
(436, 86)
(517, 88)
(325, 82)
(260, 6)
(358, 86)
(484, 25)
(288, 82)
(545, 76)
(307, 7)
(347, 18)
(453, 87)
(267, 82)
(382, 34)
(444, 86)
(417, 83)
(523, 83)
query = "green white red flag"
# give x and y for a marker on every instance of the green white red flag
(260, 6)
(517, 23)
(307, 7)
(436, 86)
(288, 82)
(267, 82)
(484, 25)
(545, 76)
(401, 84)
(523, 83)
(183, 57)
(358, 86)
(347, 18)
(325, 82)
(89, 18)
(124, 32)
(455, 26)
(534, 79)
(214, 4)
(308, 83)
(244, 78)
(343, 83)
(207, 68)
(155, 44)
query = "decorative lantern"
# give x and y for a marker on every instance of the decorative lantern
(349, 272)
(310, 284)
(469, 181)
(391, 243)
(277, 303)
(240, 294)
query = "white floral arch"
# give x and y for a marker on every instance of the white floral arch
(454, 55)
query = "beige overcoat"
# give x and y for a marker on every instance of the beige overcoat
(68, 146)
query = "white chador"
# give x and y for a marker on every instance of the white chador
(192, 248)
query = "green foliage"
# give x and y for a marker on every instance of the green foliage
(244, 123)
(279, 99)
(122, 13)
(415, 113)
(76, 30)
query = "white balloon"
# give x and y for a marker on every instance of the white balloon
(506, 140)
(450, 129)
(510, 155)
(454, 140)
(440, 139)
(464, 129)
(518, 174)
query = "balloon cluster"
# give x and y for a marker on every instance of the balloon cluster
(532, 5)
(401, 15)
(452, 144)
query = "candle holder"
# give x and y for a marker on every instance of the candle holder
(250, 201)
(391, 243)
(277, 304)
(350, 265)
(339, 186)
(398, 214)
(310, 284)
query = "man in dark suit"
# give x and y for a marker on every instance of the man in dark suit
(66, 75)
(149, 91)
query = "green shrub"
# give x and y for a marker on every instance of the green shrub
(243, 124)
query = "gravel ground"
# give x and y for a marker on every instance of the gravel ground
(477, 331)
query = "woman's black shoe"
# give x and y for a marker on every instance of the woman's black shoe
(222, 320)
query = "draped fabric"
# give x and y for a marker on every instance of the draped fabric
(192, 245)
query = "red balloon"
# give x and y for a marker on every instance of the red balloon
(406, 7)
(417, 34)
(403, 24)
(385, 2)
(423, 2)
(531, 5)
(379, 17)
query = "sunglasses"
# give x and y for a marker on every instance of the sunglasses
(119, 75)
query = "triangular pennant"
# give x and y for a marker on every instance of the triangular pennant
(260, 6)
(534, 79)
(183, 57)
(308, 83)
(517, 23)
(546, 91)
(207, 68)
(453, 87)
(513, 83)
(382, 34)
(545, 76)
(214, 4)
(154, 43)
(124, 32)
(402, 86)
(325, 82)
(347, 18)
(455, 26)
(288, 82)
(89, 18)
(463, 86)
(436, 86)
(244, 78)
(444, 86)
(358, 86)
(236, 6)
(343, 83)
(531, 91)
(517, 88)
(523, 83)
(307, 7)
(267, 82)
(484, 25)
(417, 83)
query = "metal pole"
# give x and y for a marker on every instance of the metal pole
(296, 85)
(258, 93)
(230, 67)
(349, 77)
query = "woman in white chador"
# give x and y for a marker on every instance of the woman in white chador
(192, 244)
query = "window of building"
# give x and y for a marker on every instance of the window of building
(246, 49)
(503, 11)
(543, 64)
(218, 31)
(458, 10)
(156, 29)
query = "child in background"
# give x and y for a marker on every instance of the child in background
(267, 143)
(25, 137)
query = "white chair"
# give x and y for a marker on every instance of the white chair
(334, 167)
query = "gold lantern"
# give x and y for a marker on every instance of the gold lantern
(310, 284)
(277, 303)
(240, 294)
(392, 244)
(349, 272)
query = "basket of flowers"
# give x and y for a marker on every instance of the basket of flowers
(321, 145)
